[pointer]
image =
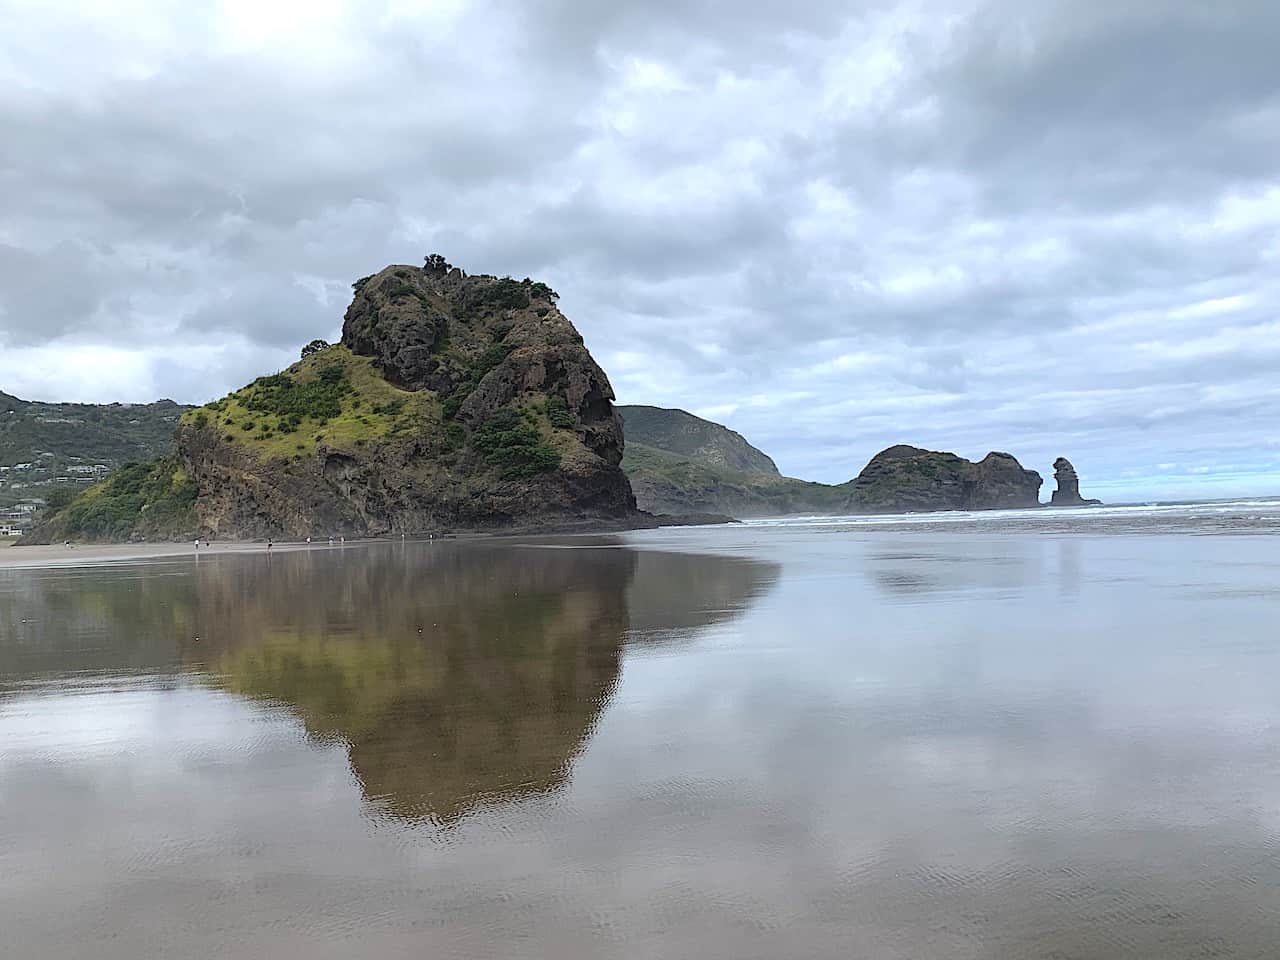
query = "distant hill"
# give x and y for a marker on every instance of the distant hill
(702, 441)
(680, 464)
(41, 442)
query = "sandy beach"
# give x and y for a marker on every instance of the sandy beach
(59, 555)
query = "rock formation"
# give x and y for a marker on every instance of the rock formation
(452, 402)
(905, 479)
(1068, 492)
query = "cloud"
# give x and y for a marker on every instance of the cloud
(972, 225)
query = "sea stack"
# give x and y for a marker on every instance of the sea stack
(1068, 492)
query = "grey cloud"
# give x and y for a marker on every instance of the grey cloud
(1005, 213)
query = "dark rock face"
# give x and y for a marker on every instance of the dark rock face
(1068, 492)
(904, 479)
(468, 349)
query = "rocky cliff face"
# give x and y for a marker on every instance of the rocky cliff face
(461, 402)
(1068, 492)
(453, 401)
(906, 479)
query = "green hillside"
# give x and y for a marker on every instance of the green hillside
(701, 441)
(45, 446)
(681, 464)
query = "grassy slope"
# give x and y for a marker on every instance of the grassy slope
(154, 500)
(369, 409)
(705, 487)
(140, 501)
(702, 441)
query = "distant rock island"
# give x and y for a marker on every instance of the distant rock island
(905, 479)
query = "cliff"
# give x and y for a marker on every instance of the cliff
(905, 479)
(452, 401)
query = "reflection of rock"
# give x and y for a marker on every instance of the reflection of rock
(454, 673)
(519, 652)
(1068, 492)
(676, 592)
(111, 620)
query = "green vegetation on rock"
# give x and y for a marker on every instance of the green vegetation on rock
(515, 447)
(452, 402)
(331, 398)
(139, 501)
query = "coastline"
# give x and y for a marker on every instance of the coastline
(84, 554)
(19, 556)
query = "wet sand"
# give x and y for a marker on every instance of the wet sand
(87, 554)
(996, 738)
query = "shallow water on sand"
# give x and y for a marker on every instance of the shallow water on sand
(1018, 740)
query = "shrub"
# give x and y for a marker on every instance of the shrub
(248, 425)
(454, 437)
(453, 404)
(315, 346)
(282, 396)
(558, 413)
(59, 497)
(513, 446)
(493, 355)
(504, 294)
(390, 409)
(158, 488)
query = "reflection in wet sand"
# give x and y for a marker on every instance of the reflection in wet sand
(456, 676)
(453, 673)
(910, 746)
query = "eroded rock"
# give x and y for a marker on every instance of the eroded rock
(1068, 492)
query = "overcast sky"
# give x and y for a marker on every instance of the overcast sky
(1042, 227)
